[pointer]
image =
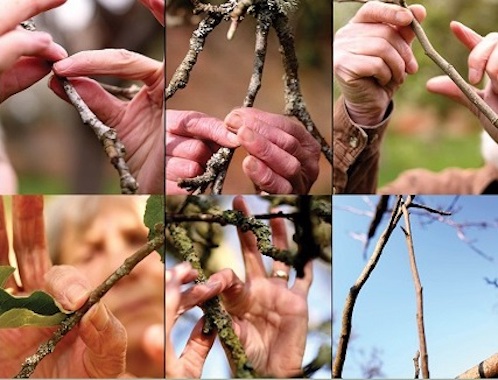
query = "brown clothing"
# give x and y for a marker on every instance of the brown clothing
(356, 165)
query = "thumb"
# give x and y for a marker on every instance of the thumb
(443, 85)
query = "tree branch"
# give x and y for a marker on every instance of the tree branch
(487, 369)
(419, 294)
(30, 363)
(347, 315)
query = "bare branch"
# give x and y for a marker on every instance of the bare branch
(419, 294)
(347, 315)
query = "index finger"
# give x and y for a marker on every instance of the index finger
(29, 240)
(14, 12)
(4, 246)
(378, 12)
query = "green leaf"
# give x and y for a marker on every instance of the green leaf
(37, 309)
(155, 213)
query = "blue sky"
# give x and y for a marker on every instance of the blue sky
(461, 310)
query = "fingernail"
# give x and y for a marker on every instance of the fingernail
(246, 134)
(213, 284)
(252, 165)
(61, 51)
(76, 294)
(474, 76)
(234, 121)
(232, 137)
(62, 65)
(100, 317)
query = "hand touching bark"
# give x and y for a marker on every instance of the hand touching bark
(191, 362)
(25, 56)
(372, 56)
(94, 348)
(283, 156)
(270, 318)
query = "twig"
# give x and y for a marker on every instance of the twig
(107, 136)
(126, 93)
(347, 315)
(30, 363)
(216, 316)
(416, 364)
(419, 294)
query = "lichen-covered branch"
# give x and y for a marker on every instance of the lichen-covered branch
(30, 364)
(216, 316)
(107, 136)
(267, 13)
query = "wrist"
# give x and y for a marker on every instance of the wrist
(367, 117)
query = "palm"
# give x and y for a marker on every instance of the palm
(271, 322)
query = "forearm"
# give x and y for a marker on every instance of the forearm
(356, 152)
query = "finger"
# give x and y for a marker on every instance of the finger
(406, 31)
(302, 285)
(180, 168)
(29, 240)
(196, 351)
(153, 344)
(252, 257)
(119, 63)
(279, 239)
(443, 85)
(265, 179)
(157, 9)
(4, 247)
(279, 161)
(68, 286)
(198, 125)
(189, 148)
(19, 43)
(14, 12)
(492, 70)
(105, 106)
(479, 57)
(465, 35)
(377, 12)
(105, 339)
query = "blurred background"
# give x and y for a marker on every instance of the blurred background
(427, 130)
(221, 76)
(48, 145)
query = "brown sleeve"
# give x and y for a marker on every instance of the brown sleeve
(356, 152)
(448, 181)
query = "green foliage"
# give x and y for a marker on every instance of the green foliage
(37, 309)
(154, 214)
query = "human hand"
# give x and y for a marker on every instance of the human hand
(283, 156)
(156, 7)
(25, 56)
(191, 139)
(139, 122)
(483, 59)
(270, 318)
(191, 362)
(94, 348)
(372, 57)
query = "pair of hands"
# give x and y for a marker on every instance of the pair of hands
(270, 318)
(282, 155)
(373, 56)
(94, 348)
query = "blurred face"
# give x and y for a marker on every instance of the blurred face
(99, 247)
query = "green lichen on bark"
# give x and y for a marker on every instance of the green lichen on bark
(216, 316)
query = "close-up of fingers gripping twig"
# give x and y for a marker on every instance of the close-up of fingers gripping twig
(107, 136)
(268, 14)
(29, 365)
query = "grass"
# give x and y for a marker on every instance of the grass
(435, 154)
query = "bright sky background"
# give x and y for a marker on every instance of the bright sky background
(460, 309)
(319, 300)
